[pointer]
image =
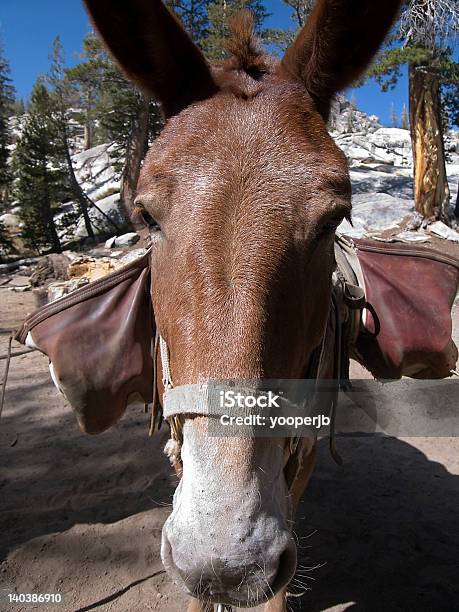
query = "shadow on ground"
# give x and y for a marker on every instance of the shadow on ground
(53, 476)
(384, 526)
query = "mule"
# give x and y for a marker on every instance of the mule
(244, 189)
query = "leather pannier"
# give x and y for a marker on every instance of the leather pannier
(406, 327)
(99, 343)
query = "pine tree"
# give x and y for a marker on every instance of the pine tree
(193, 15)
(40, 175)
(393, 116)
(6, 105)
(18, 107)
(86, 80)
(6, 245)
(283, 38)
(421, 41)
(61, 99)
(405, 120)
(124, 115)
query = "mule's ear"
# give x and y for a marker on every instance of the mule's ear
(337, 43)
(153, 50)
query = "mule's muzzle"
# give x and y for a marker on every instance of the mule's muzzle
(219, 577)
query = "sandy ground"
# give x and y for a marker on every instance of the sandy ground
(82, 515)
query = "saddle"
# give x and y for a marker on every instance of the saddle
(391, 312)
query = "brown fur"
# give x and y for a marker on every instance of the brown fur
(245, 48)
(244, 182)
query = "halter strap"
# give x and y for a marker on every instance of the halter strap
(203, 399)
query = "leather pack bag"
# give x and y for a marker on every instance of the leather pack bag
(99, 343)
(406, 327)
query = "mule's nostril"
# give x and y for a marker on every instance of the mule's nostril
(286, 569)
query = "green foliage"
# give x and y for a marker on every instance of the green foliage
(449, 91)
(6, 245)
(40, 174)
(86, 82)
(301, 10)
(387, 70)
(18, 108)
(6, 106)
(421, 38)
(193, 15)
(114, 101)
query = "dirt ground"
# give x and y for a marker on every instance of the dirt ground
(82, 515)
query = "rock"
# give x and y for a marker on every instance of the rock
(40, 295)
(415, 222)
(352, 231)
(52, 267)
(110, 242)
(391, 138)
(71, 255)
(340, 121)
(127, 239)
(412, 236)
(21, 289)
(130, 256)
(111, 206)
(10, 220)
(58, 290)
(122, 241)
(443, 231)
(90, 268)
(95, 171)
(385, 145)
(19, 281)
(375, 212)
(14, 265)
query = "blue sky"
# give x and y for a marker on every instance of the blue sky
(28, 27)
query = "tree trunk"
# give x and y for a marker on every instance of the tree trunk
(55, 242)
(78, 191)
(456, 208)
(135, 152)
(87, 135)
(49, 219)
(431, 191)
(54, 238)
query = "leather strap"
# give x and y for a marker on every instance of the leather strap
(5, 375)
(204, 399)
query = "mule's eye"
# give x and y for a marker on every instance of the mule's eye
(332, 224)
(141, 215)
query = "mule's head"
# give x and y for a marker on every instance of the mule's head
(246, 188)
